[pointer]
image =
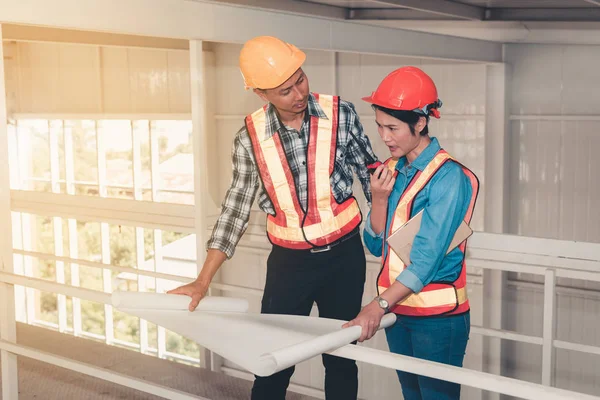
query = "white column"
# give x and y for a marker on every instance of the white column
(497, 153)
(198, 64)
(139, 232)
(105, 235)
(161, 334)
(72, 226)
(8, 326)
(57, 222)
(548, 351)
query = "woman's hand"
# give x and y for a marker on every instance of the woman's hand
(369, 319)
(382, 183)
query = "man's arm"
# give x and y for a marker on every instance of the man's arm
(236, 207)
(359, 150)
(231, 225)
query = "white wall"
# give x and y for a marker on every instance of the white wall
(554, 186)
(555, 131)
(71, 78)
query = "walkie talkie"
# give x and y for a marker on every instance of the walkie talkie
(372, 167)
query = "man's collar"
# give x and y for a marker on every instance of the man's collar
(314, 108)
(274, 124)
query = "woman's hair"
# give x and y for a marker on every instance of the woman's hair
(409, 117)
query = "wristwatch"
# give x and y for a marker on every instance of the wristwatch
(383, 303)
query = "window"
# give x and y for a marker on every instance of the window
(88, 247)
(148, 160)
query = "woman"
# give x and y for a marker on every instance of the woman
(428, 295)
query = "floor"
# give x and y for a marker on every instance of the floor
(41, 381)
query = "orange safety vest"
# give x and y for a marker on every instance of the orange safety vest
(325, 221)
(436, 298)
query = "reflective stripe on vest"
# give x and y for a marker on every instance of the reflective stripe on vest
(436, 298)
(325, 221)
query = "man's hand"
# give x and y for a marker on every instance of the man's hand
(196, 290)
(369, 319)
(382, 183)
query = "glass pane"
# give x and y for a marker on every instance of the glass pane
(43, 269)
(120, 192)
(169, 237)
(176, 197)
(152, 336)
(146, 283)
(92, 317)
(17, 238)
(13, 155)
(34, 151)
(88, 241)
(58, 138)
(119, 156)
(179, 255)
(126, 327)
(82, 134)
(141, 131)
(176, 159)
(90, 278)
(65, 237)
(46, 306)
(38, 233)
(69, 313)
(122, 245)
(67, 273)
(181, 345)
(86, 189)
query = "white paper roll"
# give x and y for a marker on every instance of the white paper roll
(281, 359)
(262, 344)
(174, 302)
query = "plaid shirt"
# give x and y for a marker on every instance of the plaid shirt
(246, 181)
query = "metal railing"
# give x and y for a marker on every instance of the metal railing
(549, 258)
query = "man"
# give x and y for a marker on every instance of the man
(297, 152)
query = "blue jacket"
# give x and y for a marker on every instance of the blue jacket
(445, 200)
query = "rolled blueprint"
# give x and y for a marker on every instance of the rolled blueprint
(280, 359)
(262, 344)
(160, 301)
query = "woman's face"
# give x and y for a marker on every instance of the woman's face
(396, 134)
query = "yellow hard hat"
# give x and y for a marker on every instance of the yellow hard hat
(266, 62)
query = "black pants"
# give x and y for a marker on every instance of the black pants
(335, 281)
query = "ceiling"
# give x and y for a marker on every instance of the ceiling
(508, 21)
(470, 10)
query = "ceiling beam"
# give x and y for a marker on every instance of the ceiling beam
(543, 14)
(396, 14)
(291, 6)
(213, 22)
(441, 7)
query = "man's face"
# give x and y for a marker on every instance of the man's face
(291, 96)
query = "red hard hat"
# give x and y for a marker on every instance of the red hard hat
(407, 89)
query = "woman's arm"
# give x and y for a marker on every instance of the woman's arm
(382, 183)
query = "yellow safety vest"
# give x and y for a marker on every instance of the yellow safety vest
(436, 298)
(325, 221)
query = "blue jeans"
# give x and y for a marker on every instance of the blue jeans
(441, 339)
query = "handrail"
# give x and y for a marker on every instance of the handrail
(497, 333)
(463, 376)
(142, 272)
(477, 379)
